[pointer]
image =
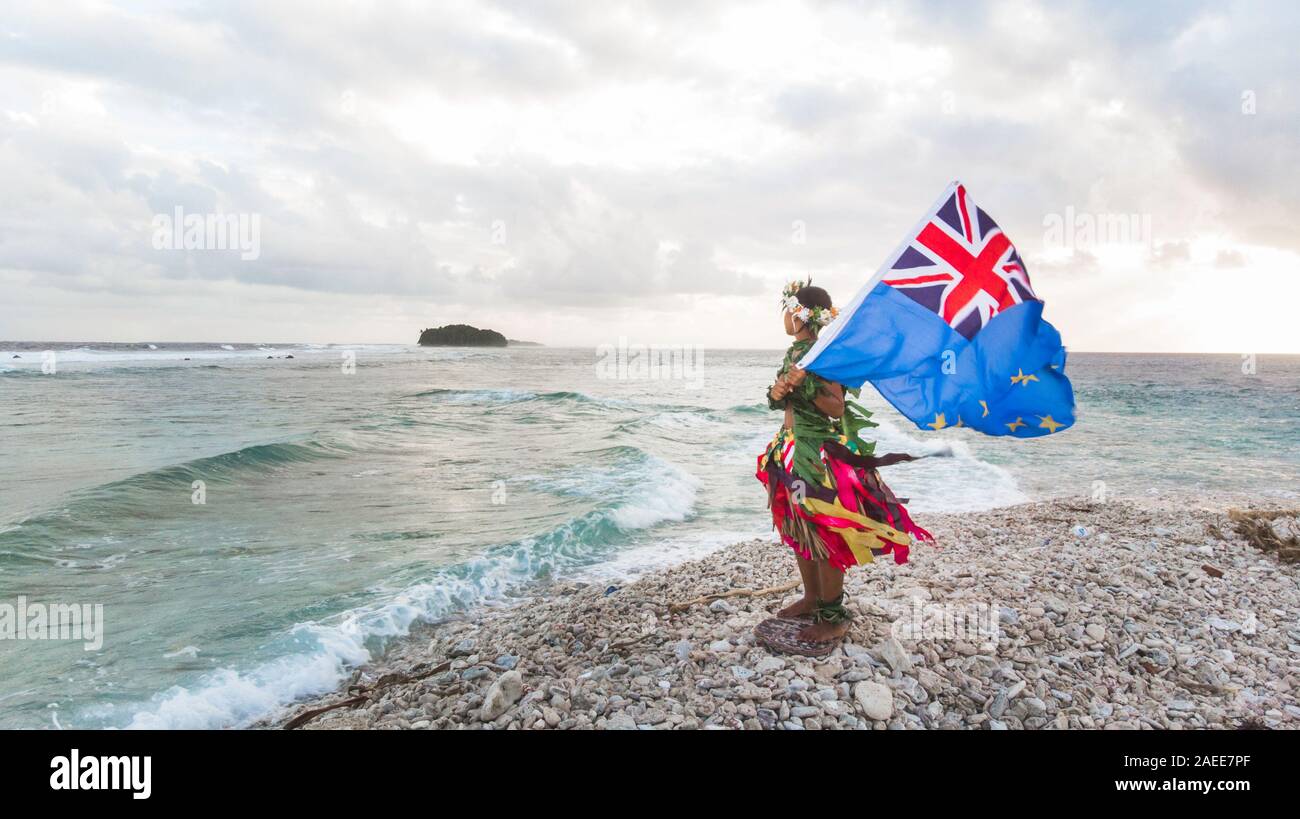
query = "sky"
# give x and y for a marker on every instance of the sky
(577, 173)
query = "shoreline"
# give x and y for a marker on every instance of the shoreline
(1121, 625)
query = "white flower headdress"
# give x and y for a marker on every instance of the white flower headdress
(815, 316)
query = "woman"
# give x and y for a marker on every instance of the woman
(827, 500)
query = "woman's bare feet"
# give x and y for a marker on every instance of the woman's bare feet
(799, 608)
(824, 631)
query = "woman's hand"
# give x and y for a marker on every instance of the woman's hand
(787, 383)
(782, 387)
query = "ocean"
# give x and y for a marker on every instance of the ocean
(256, 520)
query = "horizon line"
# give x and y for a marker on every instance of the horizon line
(526, 343)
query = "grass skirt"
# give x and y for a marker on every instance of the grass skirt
(849, 517)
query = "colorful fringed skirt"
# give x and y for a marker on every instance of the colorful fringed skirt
(849, 516)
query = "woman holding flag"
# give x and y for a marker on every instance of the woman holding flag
(950, 332)
(826, 497)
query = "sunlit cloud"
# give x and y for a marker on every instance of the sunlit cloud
(570, 172)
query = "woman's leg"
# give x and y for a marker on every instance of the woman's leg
(811, 589)
(830, 581)
(830, 584)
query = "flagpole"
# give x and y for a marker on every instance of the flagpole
(828, 335)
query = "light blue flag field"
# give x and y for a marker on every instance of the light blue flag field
(950, 332)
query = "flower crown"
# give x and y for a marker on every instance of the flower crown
(816, 316)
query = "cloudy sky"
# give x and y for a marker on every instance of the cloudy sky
(573, 172)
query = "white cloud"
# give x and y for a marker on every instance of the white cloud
(567, 170)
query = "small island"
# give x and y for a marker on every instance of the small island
(461, 335)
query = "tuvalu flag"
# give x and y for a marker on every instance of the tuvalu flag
(950, 332)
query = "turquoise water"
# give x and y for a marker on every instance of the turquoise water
(342, 507)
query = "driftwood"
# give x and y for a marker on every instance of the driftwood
(1256, 526)
(312, 713)
(625, 643)
(365, 695)
(709, 598)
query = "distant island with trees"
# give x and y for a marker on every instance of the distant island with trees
(463, 335)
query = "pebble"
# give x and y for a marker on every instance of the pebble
(620, 722)
(505, 692)
(892, 652)
(999, 704)
(769, 665)
(1132, 634)
(876, 700)
(1220, 624)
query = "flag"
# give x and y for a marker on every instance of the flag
(950, 332)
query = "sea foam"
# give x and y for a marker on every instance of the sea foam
(327, 650)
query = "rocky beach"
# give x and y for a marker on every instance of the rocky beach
(1066, 614)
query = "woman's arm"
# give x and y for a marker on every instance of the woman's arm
(830, 396)
(830, 399)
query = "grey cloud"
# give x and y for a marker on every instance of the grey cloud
(348, 206)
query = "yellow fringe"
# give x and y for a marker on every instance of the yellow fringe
(873, 533)
(804, 533)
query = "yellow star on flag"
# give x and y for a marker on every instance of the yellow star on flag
(1016, 424)
(985, 405)
(939, 421)
(1049, 424)
(1022, 379)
